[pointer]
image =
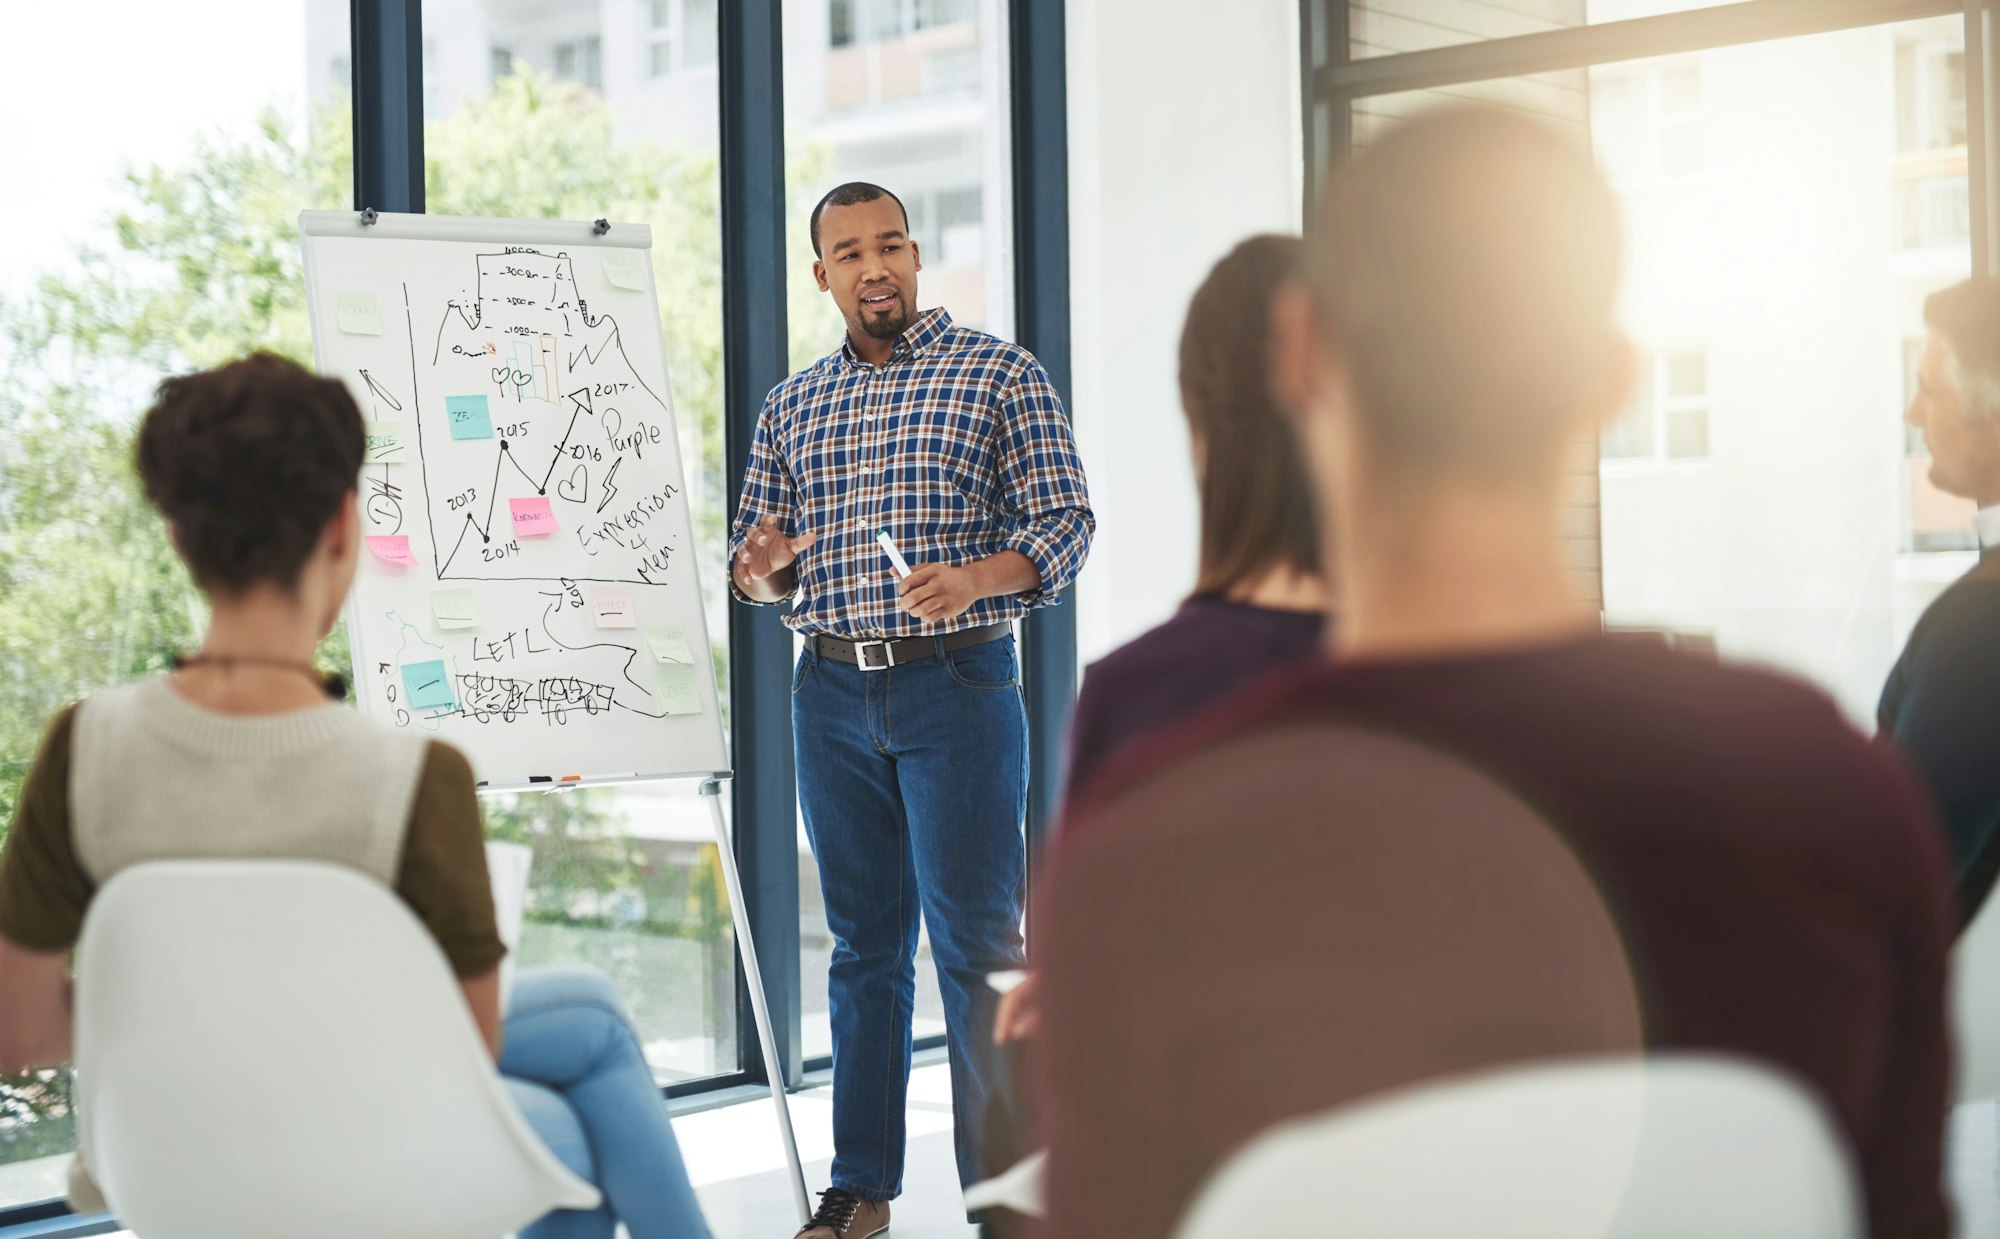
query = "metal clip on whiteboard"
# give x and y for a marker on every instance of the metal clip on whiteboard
(368, 216)
(601, 227)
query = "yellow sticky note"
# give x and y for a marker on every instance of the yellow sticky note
(669, 645)
(625, 269)
(357, 314)
(455, 609)
(675, 682)
(385, 443)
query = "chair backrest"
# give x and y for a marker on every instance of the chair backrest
(508, 866)
(1975, 1005)
(1671, 1147)
(278, 1047)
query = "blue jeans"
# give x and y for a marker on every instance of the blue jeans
(914, 782)
(573, 1065)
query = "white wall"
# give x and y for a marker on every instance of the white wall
(1184, 139)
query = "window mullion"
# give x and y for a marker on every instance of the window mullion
(1638, 38)
(1982, 131)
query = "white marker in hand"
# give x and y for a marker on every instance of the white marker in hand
(895, 556)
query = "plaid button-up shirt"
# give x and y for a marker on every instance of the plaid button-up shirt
(956, 446)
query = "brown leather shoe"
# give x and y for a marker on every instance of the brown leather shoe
(845, 1216)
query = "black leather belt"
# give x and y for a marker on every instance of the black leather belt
(882, 655)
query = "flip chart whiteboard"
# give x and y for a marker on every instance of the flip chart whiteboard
(529, 587)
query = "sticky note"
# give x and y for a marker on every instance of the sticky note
(385, 442)
(357, 314)
(469, 417)
(392, 548)
(455, 608)
(533, 518)
(613, 604)
(675, 682)
(428, 685)
(669, 645)
(625, 269)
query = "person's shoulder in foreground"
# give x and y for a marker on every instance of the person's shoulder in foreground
(1941, 709)
(1208, 649)
(1714, 846)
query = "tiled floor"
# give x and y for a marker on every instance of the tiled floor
(1972, 1167)
(738, 1166)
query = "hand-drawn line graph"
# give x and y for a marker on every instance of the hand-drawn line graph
(575, 488)
(584, 506)
(524, 332)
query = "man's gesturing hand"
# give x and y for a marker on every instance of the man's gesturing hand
(938, 592)
(766, 552)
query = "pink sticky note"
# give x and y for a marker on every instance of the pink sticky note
(533, 518)
(395, 549)
(614, 607)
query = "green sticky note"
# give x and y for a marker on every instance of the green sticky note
(428, 685)
(455, 608)
(670, 645)
(385, 442)
(357, 314)
(676, 686)
(625, 269)
(469, 417)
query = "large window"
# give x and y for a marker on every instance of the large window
(1389, 27)
(158, 237)
(1668, 416)
(1787, 203)
(625, 880)
(909, 94)
(176, 247)
(680, 35)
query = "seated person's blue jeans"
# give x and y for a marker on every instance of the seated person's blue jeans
(573, 1065)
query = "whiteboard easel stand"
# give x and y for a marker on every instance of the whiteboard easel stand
(601, 233)
(746, 950)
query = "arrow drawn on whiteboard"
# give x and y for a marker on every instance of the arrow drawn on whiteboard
(380, 392)
(581, 407)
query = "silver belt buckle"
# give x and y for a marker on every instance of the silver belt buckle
(888, 649)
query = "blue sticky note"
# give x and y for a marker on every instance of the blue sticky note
(469, 418)
(428, 685)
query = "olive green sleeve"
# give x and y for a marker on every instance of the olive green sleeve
(43, 888)
(443, 874)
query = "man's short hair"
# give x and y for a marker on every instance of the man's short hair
(1466, 268)
(1966, 317)
(848, 195)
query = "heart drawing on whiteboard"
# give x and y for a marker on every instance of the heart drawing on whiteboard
(575, 487)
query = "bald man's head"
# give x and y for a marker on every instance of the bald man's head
(1466, 267)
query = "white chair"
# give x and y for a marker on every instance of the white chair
(1676, 1147)
(1020, 1187)
(278, 1047)
(1975, 1005)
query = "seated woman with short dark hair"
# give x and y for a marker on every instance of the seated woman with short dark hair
(243, 751)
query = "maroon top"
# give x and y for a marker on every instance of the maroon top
(1209, 649)
(1386, 872)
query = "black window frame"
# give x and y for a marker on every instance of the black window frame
(1333, 79)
